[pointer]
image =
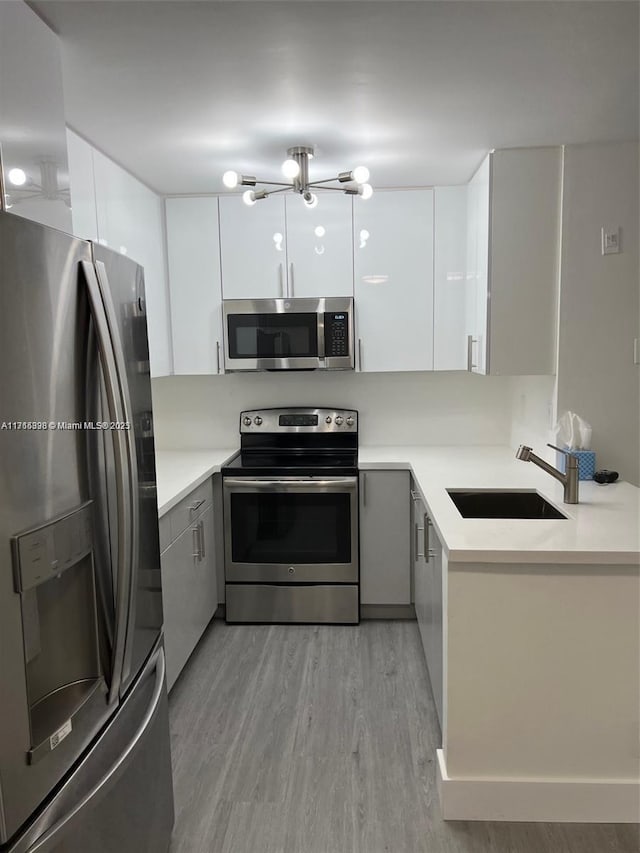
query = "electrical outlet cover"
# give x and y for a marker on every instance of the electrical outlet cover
(610, 241)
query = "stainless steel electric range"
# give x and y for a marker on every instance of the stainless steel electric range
(291, 518)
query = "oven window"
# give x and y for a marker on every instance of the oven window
(273, 335)
(291, 528)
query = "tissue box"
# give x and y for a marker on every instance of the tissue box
(586, 463)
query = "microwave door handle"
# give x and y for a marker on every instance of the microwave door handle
(321, 352)
(114, 404)
(132, 462)
(280, 282)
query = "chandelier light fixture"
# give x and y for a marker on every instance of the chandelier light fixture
(296, 168)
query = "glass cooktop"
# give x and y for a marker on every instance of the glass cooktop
(256, 463)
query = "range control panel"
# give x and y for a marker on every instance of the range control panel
(299, 420)
(336, 334)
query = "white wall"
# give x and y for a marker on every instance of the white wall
(408, 408)
(599, 302)
(533, 413)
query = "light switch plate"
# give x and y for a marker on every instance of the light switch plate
(610, 240)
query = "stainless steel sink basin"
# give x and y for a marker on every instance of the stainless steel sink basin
(482, 503)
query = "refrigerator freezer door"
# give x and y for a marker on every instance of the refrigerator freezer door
(122, 284)
(53, 674)
(120, 797)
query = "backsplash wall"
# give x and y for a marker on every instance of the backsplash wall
(533, 413)
(194, 412)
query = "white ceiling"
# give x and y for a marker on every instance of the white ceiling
(179, 92)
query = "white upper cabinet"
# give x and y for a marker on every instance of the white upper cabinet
(194, 284)
(450, 279)
(319, 246)
(32, 120)
(393, 248)
(130, 220)
(253, 248)
(281, 248)
(514, 233)
(83, 194)
(478, 203)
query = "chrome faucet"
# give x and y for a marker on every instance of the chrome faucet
(569, 480)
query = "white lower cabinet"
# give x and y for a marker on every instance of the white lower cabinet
(427, 567)
(385, 561)
(189, 592)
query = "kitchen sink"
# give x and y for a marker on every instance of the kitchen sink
(482, 503)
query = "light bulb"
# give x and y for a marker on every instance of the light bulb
(290, 169)
(310, 200)
(319, 231)
(17, 177)
(360, 174)
(230, 179)
(249, 197)
(366, 191)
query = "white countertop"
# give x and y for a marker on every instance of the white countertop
(180, 471)
(602, 529)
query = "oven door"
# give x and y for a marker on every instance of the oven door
(273, 334)
(291, 529)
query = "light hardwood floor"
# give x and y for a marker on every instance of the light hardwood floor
(296, 739)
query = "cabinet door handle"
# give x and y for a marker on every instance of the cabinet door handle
(280, 282)
(427, 522)
(217, 356)
(203, 552)
(197, 551)
(470, 342)
(414, 495)
(360, 352)
(417, 530)
(291, 279)
(196, 505)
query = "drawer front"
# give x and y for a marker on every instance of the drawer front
(190, 508)
(164, 526)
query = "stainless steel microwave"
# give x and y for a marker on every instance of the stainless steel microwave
(288, 334)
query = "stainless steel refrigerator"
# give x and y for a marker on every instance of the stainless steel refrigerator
(84, 737)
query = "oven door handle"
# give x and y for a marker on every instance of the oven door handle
(283, 485)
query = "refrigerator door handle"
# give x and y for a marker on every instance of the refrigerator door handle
(132, 459)
(123, 493)
(48, 841)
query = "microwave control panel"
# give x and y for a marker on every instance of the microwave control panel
(336, 334)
